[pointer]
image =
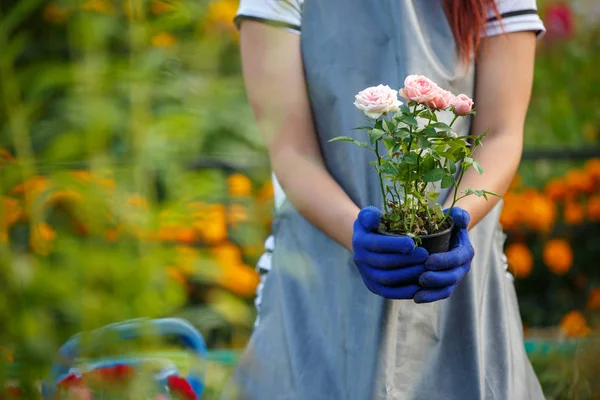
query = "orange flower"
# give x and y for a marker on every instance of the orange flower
(556, 189)
(520, 259)
(32, 187)
(159, 7)
(5, 157)
(266, 192)
(593, 301)
(593, 208)
(558, 256)
(176, 275)
(137, 200)
(11, 212)
(240, 279)
(578, 181)
(510, 216)
(227, 254)
(592, 167)
(210, 222)
(221, 14)
(573, 213)
(42, 236)
(186, 235)
(574, 324)
(55, 14)
(99, 6)
(538, 211)
(163, 39)
(239, 185)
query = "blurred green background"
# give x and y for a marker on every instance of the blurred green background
(133, 182)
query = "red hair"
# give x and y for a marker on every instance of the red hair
(468, 19)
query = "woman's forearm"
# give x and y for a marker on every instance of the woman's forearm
(316, 195)
(499, 156)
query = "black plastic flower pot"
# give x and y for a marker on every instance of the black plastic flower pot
(436, 242)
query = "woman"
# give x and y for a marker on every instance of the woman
(336, 320)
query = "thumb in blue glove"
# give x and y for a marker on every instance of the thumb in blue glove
(446, 270)
(390, 266)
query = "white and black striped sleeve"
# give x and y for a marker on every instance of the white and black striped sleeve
(286, 14)
(516, 16)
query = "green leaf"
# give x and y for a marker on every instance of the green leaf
(441, 126)
(431, 132)
(410, 159)
(388, 143)
(378, 124)
(391, 127)
(427, 164)
(492, 193)
(362, 128)
(451, 165)
(405, 109)
(424, 143)
(434, 175)
(410, 120)
(375, 135)
(433, 196)
(447, 181)
(477, 167)
(342, 139)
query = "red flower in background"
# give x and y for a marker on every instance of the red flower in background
(180, 386)
(559, 21)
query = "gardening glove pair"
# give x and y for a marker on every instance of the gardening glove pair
(390, 266)
(446, 270)
(394, 268)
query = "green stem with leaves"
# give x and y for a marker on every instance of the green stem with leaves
(380, 177)
(456, 188)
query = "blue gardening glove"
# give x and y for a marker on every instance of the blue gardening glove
(390, 266)
(446, 270)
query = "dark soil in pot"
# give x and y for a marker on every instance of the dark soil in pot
(434, 243)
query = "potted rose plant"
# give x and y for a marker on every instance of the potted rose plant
(416, 155)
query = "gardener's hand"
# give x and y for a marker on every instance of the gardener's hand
(446, 270)
(390, 266)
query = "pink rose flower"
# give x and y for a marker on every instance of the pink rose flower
(418, 88)
(442, 99)
(377, 100)
(462, 104)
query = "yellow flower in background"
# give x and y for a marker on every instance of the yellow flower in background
(163, 39)
(137, 200)
(221, 14)
(239, 185)
(558, 256)
(573, 213)
(227, 254)
(55, 14)
(159, 7)
(41, 238)
(99, 6)
(266, 192)
(210, 221)
(574, 324)
(240, 279)
(520, 260)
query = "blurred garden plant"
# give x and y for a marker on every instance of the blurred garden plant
(103, 104)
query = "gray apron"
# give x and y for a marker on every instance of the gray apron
(322, 335)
